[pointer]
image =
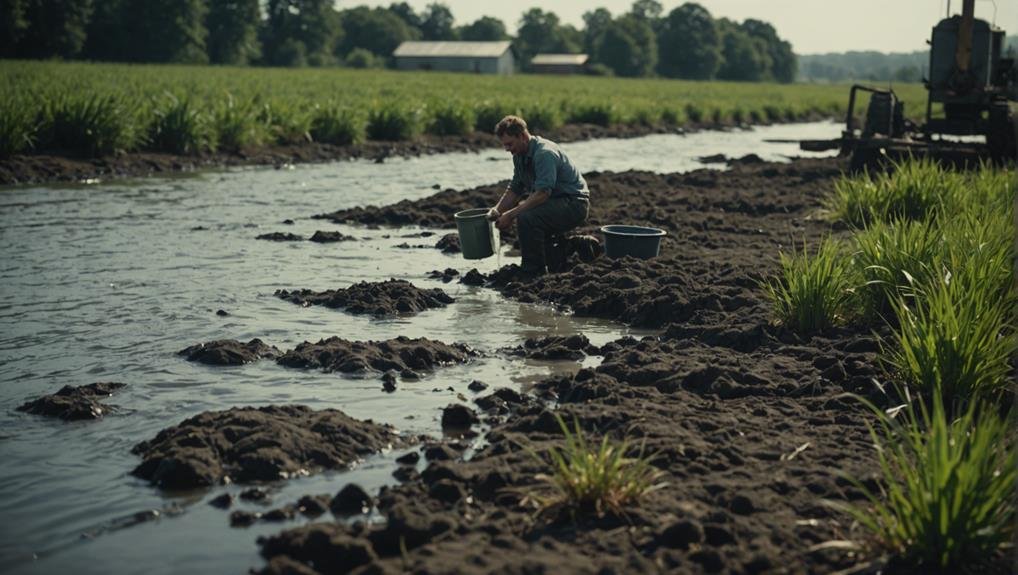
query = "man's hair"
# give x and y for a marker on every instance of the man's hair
(512, 125)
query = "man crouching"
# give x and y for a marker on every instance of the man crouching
(548, 195)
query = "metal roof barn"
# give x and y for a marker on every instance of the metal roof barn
(476, 57)
(558, 63)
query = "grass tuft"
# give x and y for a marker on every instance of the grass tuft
(597, 477)
(543, 116)
(945, 501)
(912, 190)
(488, 114)
(393, 122)
(452, 119)
(91, 125)
(333, 124)
(17, 127)
(895, 258)
(599, 113)
(180, 127)
(813, 292)
(956, 340)
(237, 125)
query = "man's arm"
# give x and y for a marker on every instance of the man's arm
(509, 199)
(537, 198)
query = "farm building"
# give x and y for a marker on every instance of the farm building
(476, 57)
(558, 64)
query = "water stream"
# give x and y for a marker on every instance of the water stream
(106, 281)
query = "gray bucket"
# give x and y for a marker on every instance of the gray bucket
(636, 241)
(475, 233)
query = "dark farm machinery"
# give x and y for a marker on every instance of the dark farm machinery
(976, 86)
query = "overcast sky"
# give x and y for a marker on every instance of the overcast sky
(812, 26)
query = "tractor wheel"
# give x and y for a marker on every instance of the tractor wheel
(1003, 133)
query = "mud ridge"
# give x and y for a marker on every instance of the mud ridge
(229, 352)
(74, 403)
(257, 444)
(381, 299)
(401, 354)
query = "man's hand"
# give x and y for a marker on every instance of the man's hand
(505, 221)
(493, 214)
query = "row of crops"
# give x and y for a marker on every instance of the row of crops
(929, 263)
(100, 109)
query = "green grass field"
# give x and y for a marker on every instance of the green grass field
(98, 109)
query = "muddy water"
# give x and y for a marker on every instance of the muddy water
(105, 282)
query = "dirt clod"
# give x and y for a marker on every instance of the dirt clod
(74, 403)
(263, 444)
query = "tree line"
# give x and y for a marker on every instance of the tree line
(900, 67)
(687, 42)
(871, 66)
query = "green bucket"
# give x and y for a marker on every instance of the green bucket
(475, 233)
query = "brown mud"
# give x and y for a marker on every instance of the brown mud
(263, 444)
(229, 352)
(750, 423)
(74, 403)
(380, 299)
(401, 354)
(572, 347)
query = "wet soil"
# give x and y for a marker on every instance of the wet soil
(402, 354)
(263, 444)
(572, 347)
(229, 352)
(380, 299)
(62, 167)
(74, 403)
(751, 425)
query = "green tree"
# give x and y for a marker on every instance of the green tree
(540, 32)
(783, 65)
(437, 23)
(646, 9)
(594, 25)
(361, 58)
(56, 28)
(165, 31)
(107, 35)
(233, 31)
(744, 61)
(295, 27)
(12, 26)
(375, 29)
(406, 13)
(689, 44)
(628, 47)
(908, 73)
(484, 29)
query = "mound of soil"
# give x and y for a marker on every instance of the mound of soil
(380, 299)
(449, 244)
(280, 237)
(74, 403)
(263, 444)
(749, 423)
(229, 352)
(446, 275)
(330, 237)
(401, 354)
(573, 347)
